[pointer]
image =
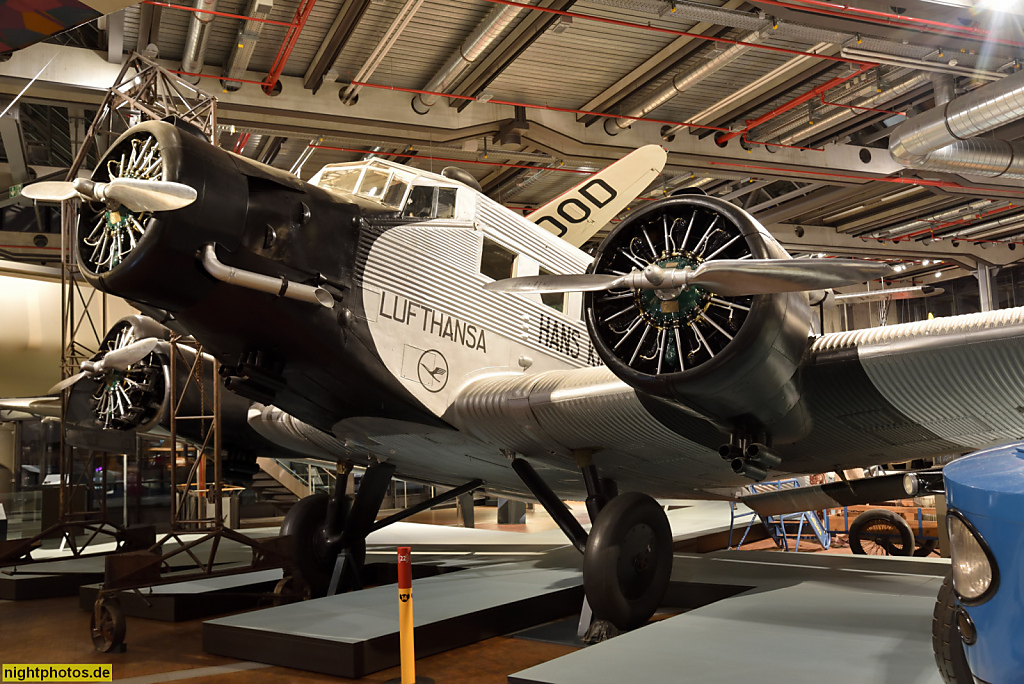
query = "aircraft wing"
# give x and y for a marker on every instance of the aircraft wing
(946, 385)
(22, 24)
(580, 212)
(21, 408)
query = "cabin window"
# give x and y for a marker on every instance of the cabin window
(496, 261)
(445, 203)
(420, 202)
(556, 300)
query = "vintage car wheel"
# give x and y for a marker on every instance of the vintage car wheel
(881, 533)
(946, 642)
(107, 625)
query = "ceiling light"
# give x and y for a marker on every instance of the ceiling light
(938, 274)
(926, 262)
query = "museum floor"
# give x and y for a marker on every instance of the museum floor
(55, 630)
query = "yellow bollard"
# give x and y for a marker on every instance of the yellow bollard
(407, 649)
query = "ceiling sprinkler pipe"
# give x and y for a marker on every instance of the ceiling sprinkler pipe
(679, 84)
(486, 34)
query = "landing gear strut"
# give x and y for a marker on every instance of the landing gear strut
(627, 558)
(329, 532)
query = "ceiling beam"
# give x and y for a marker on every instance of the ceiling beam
(341, 30)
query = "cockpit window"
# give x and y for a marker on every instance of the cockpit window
(556, 300)
(395, 192)
(427, 202)
(374, 182)
(420, 202)
(343, 180)
(445, 203)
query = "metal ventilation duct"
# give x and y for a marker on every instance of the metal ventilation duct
(485, 35)
(794, 130)
(679, 83)
(245, 43)
(194, 56)
(943, 138)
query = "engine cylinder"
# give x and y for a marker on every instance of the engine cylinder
(733, 358)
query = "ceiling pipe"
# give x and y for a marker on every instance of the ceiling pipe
(929, 221)
(943, 138)
(824, 123)
(680, 83)
(944, 87)
(194, 55)
(924, 64)
(271, 85)
(484, 36)
(245, 43)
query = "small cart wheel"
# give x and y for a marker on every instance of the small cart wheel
(107, 625)
(290, 589)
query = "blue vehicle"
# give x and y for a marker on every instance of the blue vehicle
(979, 615)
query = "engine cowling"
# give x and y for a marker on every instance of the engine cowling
(734, 359)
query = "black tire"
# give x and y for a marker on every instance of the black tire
(305, 523)
(926, 547)
(946, 642)
(109, 632)
(881, 533)
(628, 560)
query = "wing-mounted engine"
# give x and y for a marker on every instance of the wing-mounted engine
(733, 358)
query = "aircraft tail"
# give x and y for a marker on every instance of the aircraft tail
(577, 214)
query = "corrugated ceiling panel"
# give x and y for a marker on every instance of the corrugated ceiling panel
(570, 68)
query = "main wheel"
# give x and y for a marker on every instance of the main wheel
(109, 629)
(306, 523)
(946, 642)
(628, 560)
(881, 533)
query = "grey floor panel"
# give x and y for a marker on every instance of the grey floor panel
(809, 619)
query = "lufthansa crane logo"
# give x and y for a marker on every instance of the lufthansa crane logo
(432, 370)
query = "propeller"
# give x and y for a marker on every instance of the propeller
(117, 360)
(727, 277)
(134, 193)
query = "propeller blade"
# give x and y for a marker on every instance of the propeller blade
(586, 282)
(50, 191)
(68, 382)
(120, 359)
(139, 195)
(735, 277)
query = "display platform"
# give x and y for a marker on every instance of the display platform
(56, 572)
(510, 581)
(806, 618)
(199, 598)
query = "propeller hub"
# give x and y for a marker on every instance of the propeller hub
(672, 307)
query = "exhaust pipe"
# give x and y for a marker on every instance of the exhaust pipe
(282, 287)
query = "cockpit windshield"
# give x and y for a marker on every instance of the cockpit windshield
(370, 180)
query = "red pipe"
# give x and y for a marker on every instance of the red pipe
(242, 141)
(302, 13)
(866, 109)
(794, 103)
(674, 32)
(888, 19)
(219, 14)
(449, 159)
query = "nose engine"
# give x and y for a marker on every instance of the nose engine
(733, 358)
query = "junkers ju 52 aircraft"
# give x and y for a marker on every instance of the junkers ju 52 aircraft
(374, 303)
